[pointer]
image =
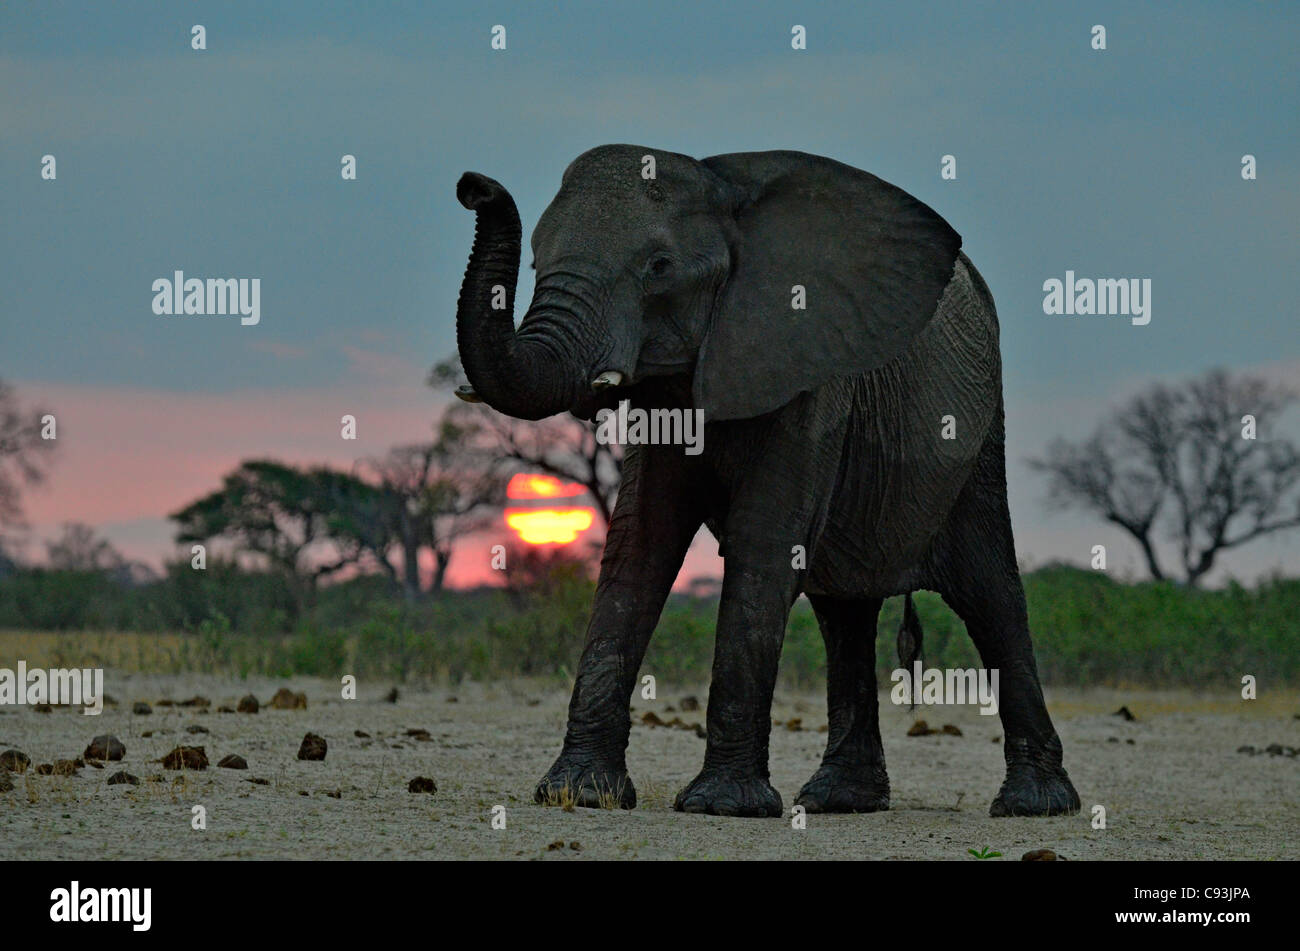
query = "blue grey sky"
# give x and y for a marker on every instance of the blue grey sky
(225, 162)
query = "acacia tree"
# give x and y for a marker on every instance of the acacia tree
(563, 446)
(306, 523)
(1196, 463)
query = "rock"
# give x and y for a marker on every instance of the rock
(420, 734)
(361, 734)
(233, 761)
(650, 718)
(140, 708)
(225, 709)
(286, 699)
(120, 777)
(106, 747)
(196, 702)
(313, 747)
(1039, 855)
(42, 708)
(65, 767)
(689, 704)
(257, 780)
(248, 704)
(186, 757)
(422, 784)
(95, 763)
(794, 724)
(391, 696)
(1126, 713)
(453, 700)
(334, 793)
(147, 733)
(576, 846)
(6, 784)
(15, 761)
(920, 728)
(196, 728)
(165, 703)
(45, 769)
(1248, 750)
(951, 729)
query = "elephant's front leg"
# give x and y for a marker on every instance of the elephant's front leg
(653, 524)
(751, 626)
(775, 515)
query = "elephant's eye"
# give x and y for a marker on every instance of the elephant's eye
(659, 266)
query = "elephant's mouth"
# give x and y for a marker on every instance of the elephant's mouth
(649, 366)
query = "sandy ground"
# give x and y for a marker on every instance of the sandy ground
(1172, 782)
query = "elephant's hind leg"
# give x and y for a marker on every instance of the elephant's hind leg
(852, 775)
(976, 572)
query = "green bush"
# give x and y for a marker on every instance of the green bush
(1087, 628)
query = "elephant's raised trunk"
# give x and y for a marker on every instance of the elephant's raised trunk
(526, 375)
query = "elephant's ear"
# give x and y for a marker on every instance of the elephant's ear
(872, 262)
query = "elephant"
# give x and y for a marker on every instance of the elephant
(862, 431)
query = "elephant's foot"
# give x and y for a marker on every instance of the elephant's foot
(1036, 784)
(836, 787)
(721, 794)
(593, 785)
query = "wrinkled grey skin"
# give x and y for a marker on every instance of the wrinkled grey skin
(823, 431)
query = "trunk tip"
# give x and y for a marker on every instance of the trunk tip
(476, 191)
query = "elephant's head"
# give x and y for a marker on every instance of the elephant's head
(699, 269)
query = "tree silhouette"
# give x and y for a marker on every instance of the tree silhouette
(1182, 462)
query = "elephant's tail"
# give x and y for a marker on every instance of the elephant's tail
(909, 637)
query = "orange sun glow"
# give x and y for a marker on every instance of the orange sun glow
(545, 525)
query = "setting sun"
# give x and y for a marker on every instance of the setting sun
(549, 525)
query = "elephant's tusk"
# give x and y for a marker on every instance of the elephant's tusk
(466, 392)
(606, 380)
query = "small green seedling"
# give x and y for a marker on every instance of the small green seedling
(984, 853)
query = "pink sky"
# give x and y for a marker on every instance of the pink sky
(127, 456)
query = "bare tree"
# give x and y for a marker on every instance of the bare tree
(563, 446)
(79, 548)
(24, 454)
(1196, 463)
(436, 493)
